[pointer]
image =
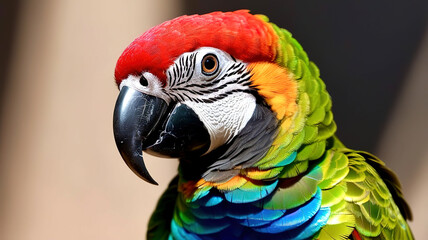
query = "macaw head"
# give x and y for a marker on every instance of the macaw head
(223, 92)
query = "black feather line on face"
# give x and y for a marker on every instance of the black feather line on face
(181, 87)
(233, 58)
(183, 71)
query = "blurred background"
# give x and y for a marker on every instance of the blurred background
(61, 176)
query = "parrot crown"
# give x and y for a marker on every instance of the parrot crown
(240, 34)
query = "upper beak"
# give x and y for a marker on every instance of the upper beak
(136, 116)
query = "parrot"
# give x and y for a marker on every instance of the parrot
(237, 101)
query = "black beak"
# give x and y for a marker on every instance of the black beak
(136, 116)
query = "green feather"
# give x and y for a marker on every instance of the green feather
(183, 212)
(294, 169)
(287, 197)
(356, 174)
(311, 133)
(372, 212)
(328, 119)
(356, 193)
(305, 152)
(339, 226)
(316, 117)
(335, 168)
(333, 195)
(318, 151)
(327, 131)
(159, 228)
(269, 162)
(339, 207)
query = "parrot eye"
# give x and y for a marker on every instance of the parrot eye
(209, 64)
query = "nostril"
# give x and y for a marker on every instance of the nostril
(143, 81)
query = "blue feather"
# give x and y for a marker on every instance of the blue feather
(262, 218)
(247, 194)
(316, 223)
(210, 200)
(305, 231)
(200, 194)
(207, 226)
(176, 230)
(241, 211)
(209, 213)
(294, 217)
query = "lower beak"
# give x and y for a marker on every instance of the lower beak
(136, 116)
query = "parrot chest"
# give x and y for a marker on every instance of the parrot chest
(214, 217)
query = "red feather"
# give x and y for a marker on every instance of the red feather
(239, 33)
(356, 235)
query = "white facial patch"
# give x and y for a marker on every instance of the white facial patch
(226, 117)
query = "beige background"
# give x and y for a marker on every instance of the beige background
(61, 175)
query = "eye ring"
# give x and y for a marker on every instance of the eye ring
(209, 64)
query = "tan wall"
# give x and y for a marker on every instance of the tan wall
(63, 176)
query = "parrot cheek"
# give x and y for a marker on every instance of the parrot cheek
(183, 135)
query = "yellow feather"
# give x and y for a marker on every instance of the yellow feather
(277, 86)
